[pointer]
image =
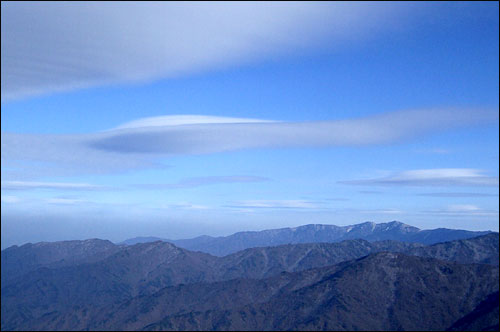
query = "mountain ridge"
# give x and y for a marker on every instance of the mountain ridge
(311, 233)
(145, 269)
(344, 298)
(375, 287)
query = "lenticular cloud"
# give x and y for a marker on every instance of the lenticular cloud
(200, 134)
(139, 144)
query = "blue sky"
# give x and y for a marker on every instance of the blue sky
(182, 119)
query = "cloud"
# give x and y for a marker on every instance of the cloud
(381, 211)
(450, 194)
(462, 210)
(65, 201)
(186, 206)
(203, 181)
(338, 199)
(432, 177)
(275, 204)
(363, 211)
(10, 199)
(179, 120)
(29, 156)
(25, 185)
(435, 151)
(56, 46)
(226, 136)
(140, 144)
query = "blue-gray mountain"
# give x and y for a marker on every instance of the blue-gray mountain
(483, 318)
(96, 285)
(397, 231)
(379, 292)
(17, 261)
(383, 291)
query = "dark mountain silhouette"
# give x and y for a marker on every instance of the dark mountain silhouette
(384, 291)
(397, 231)
(141, 239)
(133, 270)
(483, 318)
(17, 261)
(87, 289)
(481, 249)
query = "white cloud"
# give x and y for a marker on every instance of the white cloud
(435, 151)
(179, 120)
(29, 156)
(381, 211)
(226, 135)
(20, 185)
(463, 210)
(137, 147)
(65, 201)
(187, 206)
(58, 46)
(432, 177)
(275, 204)
(454, 194)
(10, 199)
(203, 181)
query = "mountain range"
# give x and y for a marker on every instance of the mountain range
(394, 230)
(353, 284)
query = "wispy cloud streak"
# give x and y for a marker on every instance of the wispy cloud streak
(56, 46)
(452, 194)
(218, 137)
(180, 120)
(10, 199)
(25, 185)
(203, 181)
(462, 210)
(275, 204)
(140, 144)
(432, 177)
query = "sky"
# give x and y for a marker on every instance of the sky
(179, 119)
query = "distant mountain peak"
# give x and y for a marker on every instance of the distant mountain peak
(396, 225)
(156, 245)
(313, 233)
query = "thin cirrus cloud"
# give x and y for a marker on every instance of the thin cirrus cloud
(28, 185)
(454, 194)
(275, 204)
(370, 192)
(432, 177)
(139, 144)
(459, 210)
(203, 181)
(381, 211)
(57, 46)
(65, 201)
(31, 156)
(184, 183)
(435, 151)
(186, 206)
(10, 199)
